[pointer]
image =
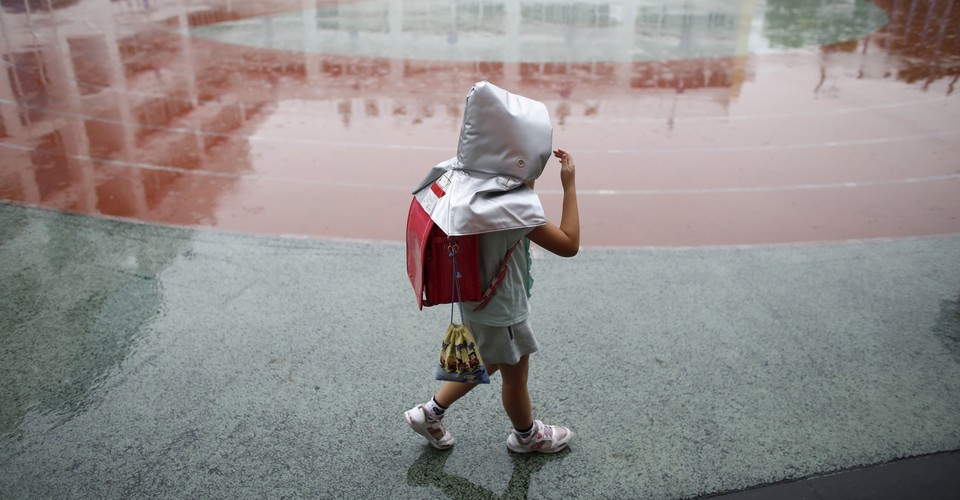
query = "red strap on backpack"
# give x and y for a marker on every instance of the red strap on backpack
(501, 273)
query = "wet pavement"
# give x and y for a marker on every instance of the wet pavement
(201, 279)
(147, 361)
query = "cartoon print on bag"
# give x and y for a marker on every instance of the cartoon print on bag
(474, 361)
(451, 364)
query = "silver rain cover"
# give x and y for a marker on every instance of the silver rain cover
(505, 140)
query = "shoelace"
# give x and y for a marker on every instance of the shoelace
(548, 432)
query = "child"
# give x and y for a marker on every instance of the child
(504, 336)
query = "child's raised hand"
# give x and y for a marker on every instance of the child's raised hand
(564, 239)
(567, 170)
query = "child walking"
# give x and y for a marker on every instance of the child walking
(502, 330)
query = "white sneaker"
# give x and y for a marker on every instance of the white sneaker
(437, 435)
(545, 439)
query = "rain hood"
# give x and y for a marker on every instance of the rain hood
(505, 140)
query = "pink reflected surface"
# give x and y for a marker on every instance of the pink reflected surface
(131, 114)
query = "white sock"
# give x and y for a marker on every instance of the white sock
(527, 434)
(433, 410)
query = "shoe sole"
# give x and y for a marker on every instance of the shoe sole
(406, 417)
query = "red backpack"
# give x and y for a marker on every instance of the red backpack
(436, 262)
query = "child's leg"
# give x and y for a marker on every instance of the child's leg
(450, 392)
(516, 398)
(528, 435)
(427, 419)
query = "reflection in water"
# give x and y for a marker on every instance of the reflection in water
(519, 31)
(805, 23)
(119, 109)
(65, 322)
(925, 38)
(947, 327)
(19, 6)
(428, 470)
(111, 123)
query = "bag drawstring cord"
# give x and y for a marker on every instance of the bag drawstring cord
(453, 248)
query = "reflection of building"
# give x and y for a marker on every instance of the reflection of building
(917, 44)
(577, 51)
(924, 33)
(793, 24)
(511, 30)
(20, 6)
(110, 115)
(104, 117)
(513, 40)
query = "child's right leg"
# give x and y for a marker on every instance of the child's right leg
(515, 396)
(528, 435)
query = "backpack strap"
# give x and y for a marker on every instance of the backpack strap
(497, 279)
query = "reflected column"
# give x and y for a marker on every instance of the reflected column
(9, 118)
(738, 73)
(118, 89)
(16, 158)
(189, 66)
(627, 42)
(395, 22)
(395, 33)
(186, 46)
(511, 54)
(317, 73)
(310, 39)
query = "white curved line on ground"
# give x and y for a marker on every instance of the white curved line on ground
(411, 147)
(587, 192)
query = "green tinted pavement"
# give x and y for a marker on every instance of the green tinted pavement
(158, 362)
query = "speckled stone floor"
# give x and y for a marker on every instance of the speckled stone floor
(148, 361)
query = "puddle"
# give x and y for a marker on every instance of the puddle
(429, 470)
(947, 327)
(76, 298)
(514, 31)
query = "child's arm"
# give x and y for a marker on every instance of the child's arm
(564, 240)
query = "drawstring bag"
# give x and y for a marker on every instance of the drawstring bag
(460, 359)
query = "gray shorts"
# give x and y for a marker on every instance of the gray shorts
(504, 344)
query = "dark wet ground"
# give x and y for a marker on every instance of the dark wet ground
(256, 339)
(152, 361)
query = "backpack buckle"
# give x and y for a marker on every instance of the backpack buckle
(453, 247)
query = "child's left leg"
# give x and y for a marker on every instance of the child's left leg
(427, 419)
(450, 392)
